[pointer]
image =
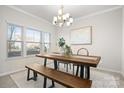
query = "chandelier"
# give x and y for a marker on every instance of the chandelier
(62, 19)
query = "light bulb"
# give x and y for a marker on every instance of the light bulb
(59, 17)
(60, 24)
(64, 17)
(71, 20)
(54, 22)
(68, 23)
(60, 12)
(67, 15)
(55, 18)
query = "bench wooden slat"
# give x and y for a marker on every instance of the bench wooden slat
(60, 77)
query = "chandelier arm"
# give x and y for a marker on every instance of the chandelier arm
(62, 18)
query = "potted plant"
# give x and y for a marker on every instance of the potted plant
(61, 44)
(64, 48)
(68, 50)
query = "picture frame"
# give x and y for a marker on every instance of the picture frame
(81, 36)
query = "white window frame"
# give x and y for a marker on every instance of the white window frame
(43, 42)
(32, 42)
(24, 42)
(22, 50)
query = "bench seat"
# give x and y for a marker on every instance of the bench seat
(60, 77)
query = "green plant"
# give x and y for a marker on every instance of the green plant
(68, 50)
(61, 42)
(65, 48)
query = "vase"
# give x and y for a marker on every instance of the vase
(68, 52)
(62, 51)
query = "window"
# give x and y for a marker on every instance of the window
(29, 42)
(33, 41)
(14, 41)
(46, 41)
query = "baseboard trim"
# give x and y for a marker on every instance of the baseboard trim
(122, 74)
(110, 70)
(104, 69)
(11, 72)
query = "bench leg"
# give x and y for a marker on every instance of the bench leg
(32, 78)
(53, 85)
(45, 82)
(35, 76)
(28, 74)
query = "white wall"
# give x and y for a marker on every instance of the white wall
(10, 15)
(106, 37)
(122, 65)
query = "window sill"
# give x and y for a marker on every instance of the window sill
(18, 58)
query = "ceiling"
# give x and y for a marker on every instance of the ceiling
(48, 11)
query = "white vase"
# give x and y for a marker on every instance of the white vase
(62, 52)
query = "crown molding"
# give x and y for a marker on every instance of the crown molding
(76, 19)
(95, 14)
(29, 14)
(98, 13)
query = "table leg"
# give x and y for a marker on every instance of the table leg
(88, 72)
(73, 69)
(77, 70)
(45, 79)
(82, 71)
(45, 61)
(55, 67)
(58, 65)
(55, 64)
(67, 68)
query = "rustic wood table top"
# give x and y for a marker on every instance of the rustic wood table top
(76, 59)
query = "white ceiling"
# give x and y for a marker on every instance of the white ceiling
(48, 11)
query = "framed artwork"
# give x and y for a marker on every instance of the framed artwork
(81, 35)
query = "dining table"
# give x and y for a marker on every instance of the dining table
(81, 60)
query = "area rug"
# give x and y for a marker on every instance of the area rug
(99, 80)
(102, 79)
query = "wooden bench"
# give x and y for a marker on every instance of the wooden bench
(60, 77)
